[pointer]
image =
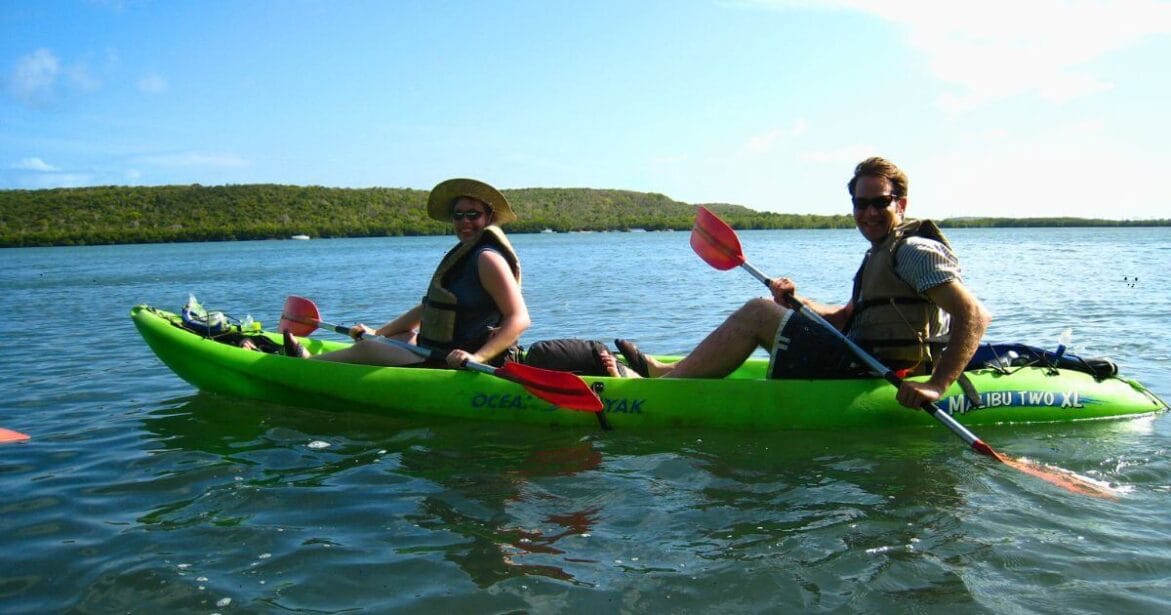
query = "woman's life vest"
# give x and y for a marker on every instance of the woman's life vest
(901, 327)
(457, 311)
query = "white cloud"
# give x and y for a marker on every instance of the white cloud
(81, 79)
(33, 78)
(766, 142)
(41, 181)
(1001, 49)
(194, 159)
(997, 49)
(37, 77)
(846, 154)
(152, 84)
(115, 5)
(1079, 170)
(34, 164)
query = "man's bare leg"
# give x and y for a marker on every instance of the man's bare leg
(726, 348)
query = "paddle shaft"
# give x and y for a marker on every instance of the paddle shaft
(426, 353)
(877, 367)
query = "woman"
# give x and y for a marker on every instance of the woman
(473, 308)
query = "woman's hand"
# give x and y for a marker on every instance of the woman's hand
(458, 358)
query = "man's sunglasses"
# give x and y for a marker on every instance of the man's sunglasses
(472, 215)
(877, 202)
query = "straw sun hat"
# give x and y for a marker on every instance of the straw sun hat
(444, 195)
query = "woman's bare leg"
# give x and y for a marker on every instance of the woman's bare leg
(374, 352)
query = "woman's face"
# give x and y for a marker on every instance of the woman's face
(469, 216)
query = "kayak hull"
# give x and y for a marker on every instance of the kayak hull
(742, 401)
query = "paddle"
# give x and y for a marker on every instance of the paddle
(7, 435)
(300, 317)
(717, 244)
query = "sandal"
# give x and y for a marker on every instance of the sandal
(610, 366)
(634, 357)
(293, 348)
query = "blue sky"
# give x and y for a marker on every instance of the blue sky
(1004, 108)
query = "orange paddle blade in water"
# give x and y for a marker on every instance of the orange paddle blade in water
(7, 435)
(1066, 479)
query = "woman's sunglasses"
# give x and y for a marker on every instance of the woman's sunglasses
(472, 215)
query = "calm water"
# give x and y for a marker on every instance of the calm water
(138, 494)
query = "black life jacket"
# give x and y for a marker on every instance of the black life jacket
(441, 306)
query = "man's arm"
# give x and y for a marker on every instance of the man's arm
(969, 320)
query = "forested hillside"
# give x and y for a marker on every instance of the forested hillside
(130, 214)
(124, 214)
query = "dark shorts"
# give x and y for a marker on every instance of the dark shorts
(803, 349)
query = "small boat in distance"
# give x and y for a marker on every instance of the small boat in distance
(299, 237)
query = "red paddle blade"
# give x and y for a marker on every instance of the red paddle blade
(1066, 479)
(299, 316)
(563, 389)
(7, 435)
(1070, 481)
(715, 242)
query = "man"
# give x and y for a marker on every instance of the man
(909, 307)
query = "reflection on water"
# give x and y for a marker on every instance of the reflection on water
(512, 502)
(461, 484)
(135, 494)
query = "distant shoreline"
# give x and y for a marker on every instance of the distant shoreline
(109, 215)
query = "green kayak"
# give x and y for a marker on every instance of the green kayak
(744, 400)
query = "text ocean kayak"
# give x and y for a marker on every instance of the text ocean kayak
(742, 401)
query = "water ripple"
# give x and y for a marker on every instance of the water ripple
(136, 493)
